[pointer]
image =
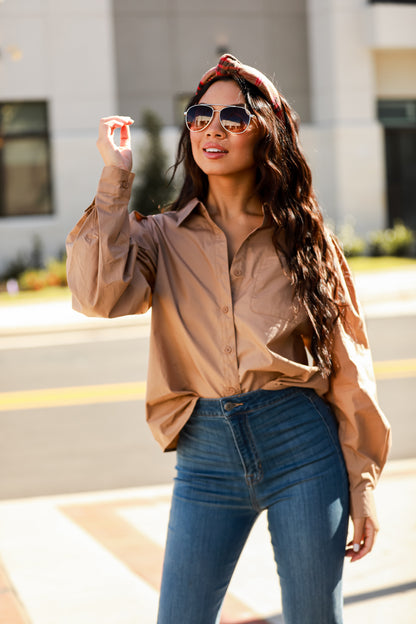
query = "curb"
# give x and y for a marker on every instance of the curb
(385, 294)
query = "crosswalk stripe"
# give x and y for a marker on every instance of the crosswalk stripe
(394, 369)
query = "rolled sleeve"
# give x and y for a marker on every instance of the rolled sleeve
(364, 432)
(112, 256)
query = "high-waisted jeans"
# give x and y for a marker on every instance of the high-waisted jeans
(237, 456)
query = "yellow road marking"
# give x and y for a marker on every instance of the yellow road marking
(395, 369)
(134, 391)
(77, 395)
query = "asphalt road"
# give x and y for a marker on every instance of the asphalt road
(107, 444)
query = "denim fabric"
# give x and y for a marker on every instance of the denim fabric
(238, 456)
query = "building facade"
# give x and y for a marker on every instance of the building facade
(348, 67)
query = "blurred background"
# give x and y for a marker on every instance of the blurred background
(72, 389)
(348, 67)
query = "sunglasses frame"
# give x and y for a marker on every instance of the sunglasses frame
(211, 106)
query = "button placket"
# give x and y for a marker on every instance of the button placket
(226, 327)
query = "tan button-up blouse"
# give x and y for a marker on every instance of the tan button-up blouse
(219, 330)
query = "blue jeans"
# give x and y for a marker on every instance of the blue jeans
(237, 456)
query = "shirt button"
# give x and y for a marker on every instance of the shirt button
(225, 309)
(238, 272)
(124, 184)
(231, 390)
(228, 349)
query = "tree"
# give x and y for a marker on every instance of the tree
(152, 191)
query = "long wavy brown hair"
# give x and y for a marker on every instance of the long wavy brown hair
(284, 182)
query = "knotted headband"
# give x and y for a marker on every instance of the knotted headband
(229, 65)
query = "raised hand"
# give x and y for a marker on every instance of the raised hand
(112, 154)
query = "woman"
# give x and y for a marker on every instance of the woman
(259, 369)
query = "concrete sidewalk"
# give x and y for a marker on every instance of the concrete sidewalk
(390, 293)
(97, 558)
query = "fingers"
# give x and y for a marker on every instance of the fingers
(125, 136)
(109, 124)
(363, 539)
(113, 154)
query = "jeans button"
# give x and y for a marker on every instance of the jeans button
(228, 406)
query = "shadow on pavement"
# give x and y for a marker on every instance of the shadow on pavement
(378, 593)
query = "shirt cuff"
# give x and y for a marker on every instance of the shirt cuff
(115, 181)
(362, 505)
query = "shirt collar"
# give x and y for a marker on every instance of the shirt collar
(184, 213)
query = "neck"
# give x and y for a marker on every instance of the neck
(229, 198)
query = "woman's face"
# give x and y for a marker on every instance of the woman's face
(235, 155)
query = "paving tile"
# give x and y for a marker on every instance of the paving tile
(81, 559)
(11, 609)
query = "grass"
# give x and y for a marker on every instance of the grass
(360, 264)
(53, 293)
(365, 264)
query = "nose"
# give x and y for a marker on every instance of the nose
(215, 127)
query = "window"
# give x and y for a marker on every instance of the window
(25, 179)
(399, 120)
(392, 1)
(397, 112)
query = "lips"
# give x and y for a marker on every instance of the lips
(214, 148)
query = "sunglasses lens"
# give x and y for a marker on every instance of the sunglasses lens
(234, 119)
(198, 117)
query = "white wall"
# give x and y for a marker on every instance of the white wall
(344, 143)
(70, 50)
(164, 47)
(391, 26)
(67, 59)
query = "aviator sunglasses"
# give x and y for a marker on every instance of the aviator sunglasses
(234, 119)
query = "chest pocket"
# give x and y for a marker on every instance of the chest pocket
(272, 292)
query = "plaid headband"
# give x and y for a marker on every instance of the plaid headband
(229, 65)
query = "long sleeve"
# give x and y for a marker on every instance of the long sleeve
(111, 255)
(217, 331)
(363, 429)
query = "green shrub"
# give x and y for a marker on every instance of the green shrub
(53, 275)
(153, 190)
(33, 279)
(396, 241)
(36, 253)
(56, 273)
(32, 259)
(352, 244)
(15, 268)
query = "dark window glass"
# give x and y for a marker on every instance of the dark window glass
(392, 1)
(400, 144)
(399, 120)
(397, 112)
(25, 187)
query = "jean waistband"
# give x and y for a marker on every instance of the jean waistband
(245, 402)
